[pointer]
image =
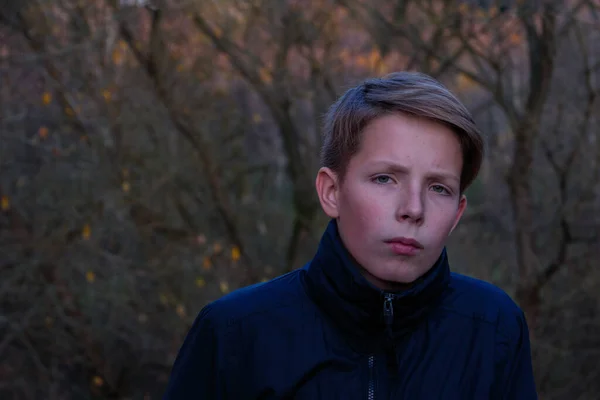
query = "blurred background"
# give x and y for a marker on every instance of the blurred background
(155, 155)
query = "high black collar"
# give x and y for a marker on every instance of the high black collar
(356, 306)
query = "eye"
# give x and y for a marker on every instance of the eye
(440, 189)
(382, 179)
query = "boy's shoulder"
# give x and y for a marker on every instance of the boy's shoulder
(282, 292)
(482, 300)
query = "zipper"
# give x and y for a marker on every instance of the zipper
(371, 390)
(388, 316)
(388, 311)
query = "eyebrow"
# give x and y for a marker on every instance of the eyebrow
(391, 166)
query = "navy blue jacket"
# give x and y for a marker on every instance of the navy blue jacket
(324, 332)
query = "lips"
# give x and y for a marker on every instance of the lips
(404, 246)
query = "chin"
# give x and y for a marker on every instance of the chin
(405, 278)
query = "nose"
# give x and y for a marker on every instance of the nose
(411, 207)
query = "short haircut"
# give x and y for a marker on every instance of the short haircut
(411, 93)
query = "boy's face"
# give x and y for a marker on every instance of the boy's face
(399, 200)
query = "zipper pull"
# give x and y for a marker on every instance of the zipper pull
(388, 315)
(388, 310)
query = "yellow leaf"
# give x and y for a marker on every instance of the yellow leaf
(69, 111)
(382, 68)
(117, 57)
(224, 286)
(235, 253)
(126, 187)
(180, 67)
(90, 276)
(5, 203)
(107, 95)
(218, 32)
(43, 132)
(122, 44)
(86, 232)
(362, 61)
(180, 310)
(464, 82)
(97, 381)
(256, 118)
(206, 263)
(200, 282)
(265, 75)
(515, 38)
(46, 98)
(374, 58)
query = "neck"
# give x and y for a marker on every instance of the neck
(387, 286)
(361, 307)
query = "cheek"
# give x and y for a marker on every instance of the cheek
(365, 219)
(364, 210)
(443, 219)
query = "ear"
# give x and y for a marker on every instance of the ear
(462, 205)
(328, 191)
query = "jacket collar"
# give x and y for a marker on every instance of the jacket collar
(356, 306)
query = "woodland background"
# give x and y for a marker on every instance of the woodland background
(155, 155)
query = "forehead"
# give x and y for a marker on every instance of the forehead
(399, 137)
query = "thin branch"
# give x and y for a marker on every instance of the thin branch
(570, 17)
(18, 329)
(411, 33)
(38, 46)
(561, 257)
(546, 147)
(35, 357)
(194, 137)
(245, 63)
(591, 100)
(563, 171)
(274, 96)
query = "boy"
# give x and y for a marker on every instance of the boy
(376, 314)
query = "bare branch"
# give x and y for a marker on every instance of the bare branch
(279, 104)
(245, 63)
(194, 137)
(560, 259)
(570, 19)
(563, 171)
(547, 151)
(38, 46)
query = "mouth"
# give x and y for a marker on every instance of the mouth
(404, 246)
